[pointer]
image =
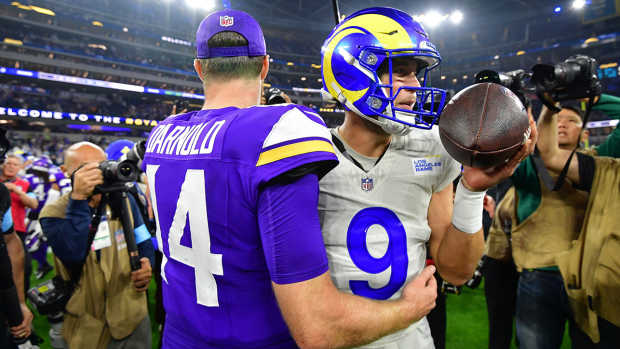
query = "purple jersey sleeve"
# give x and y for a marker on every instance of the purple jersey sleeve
(64, 183)
(298, 137)
(291, 231)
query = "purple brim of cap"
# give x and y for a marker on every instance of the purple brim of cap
(234, 21)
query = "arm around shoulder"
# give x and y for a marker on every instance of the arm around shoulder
(320, 316)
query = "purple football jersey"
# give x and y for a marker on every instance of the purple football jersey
(40, 190)
(58, 177)
(205, 171)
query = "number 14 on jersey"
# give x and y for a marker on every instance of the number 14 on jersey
(192, 201)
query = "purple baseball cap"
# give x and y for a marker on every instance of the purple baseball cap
(234, 21)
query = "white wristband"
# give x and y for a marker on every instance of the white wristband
(467, 214)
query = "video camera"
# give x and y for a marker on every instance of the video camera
(574, 78)
(516, 81)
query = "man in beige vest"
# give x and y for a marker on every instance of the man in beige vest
(108, 308)
(545, 224)
(591, 267)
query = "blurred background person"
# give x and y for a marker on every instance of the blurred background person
(22, 198)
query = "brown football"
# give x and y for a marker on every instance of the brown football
(484, 125)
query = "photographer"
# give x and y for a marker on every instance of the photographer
(546, 221)
(108, 307)
(590, 268)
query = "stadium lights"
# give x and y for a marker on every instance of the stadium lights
(38, 9)
(456, 16)
(578, 4)
(207, 5)
(433, 18)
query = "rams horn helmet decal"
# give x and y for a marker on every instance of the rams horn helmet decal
(352, 55)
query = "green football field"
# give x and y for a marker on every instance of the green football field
(467, 325)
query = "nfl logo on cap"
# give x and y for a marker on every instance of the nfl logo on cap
(367, 184)
(227, 21)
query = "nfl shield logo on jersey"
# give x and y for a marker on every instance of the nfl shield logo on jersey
(367, 184)
(226, 21)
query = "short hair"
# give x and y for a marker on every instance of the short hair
(14, 156)
(575, 109)
(225, 68)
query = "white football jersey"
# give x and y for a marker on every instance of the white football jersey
(375, 224)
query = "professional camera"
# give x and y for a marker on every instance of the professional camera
(50, 297)
(274, 96)
(516, 81)
(136, 154)
(115, 172)
(126, 170)
(574, 78)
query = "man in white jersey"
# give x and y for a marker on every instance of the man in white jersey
(392, 190)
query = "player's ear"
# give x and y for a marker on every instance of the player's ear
(198, 68)
(265, 69)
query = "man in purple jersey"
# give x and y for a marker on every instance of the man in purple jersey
(40, 178)
(234, 189)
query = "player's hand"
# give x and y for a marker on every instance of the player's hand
(421, 293)
(85, 179)
(142, 276)
(23, 330)
(477, 179)
(12, 187)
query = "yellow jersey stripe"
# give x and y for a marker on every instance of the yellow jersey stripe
(289, 150)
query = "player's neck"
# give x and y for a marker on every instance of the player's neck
(234, 93)
(363, 137)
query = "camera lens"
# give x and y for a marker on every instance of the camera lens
(125, 170)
